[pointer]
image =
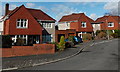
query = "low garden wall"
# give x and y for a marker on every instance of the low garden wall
(28, 50)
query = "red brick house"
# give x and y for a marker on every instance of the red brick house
(25, 23)
(78, 21)
(109, 22)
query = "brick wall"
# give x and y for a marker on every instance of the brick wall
(28, 50)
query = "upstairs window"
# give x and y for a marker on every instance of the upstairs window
(67, 23)
(22, 23)
(84, 25)
(110, 24)
(47, 25)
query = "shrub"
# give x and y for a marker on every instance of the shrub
(20, 42)
(118, 32)
(71, 38)
(110, 32)
(98, 31)
(114, 35)
(56, 44)
(61, 44)
(6, 41)
(87, 37)
(69, 44)
(102, 35)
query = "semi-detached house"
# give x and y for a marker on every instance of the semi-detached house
(33, 25)
(109, 23)
(78, 21)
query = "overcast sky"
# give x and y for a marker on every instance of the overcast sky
(59, 9)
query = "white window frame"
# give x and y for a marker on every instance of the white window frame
(85, 24)
(112, 23)
(47, 25)
(24, 26)
(68, 24)
(20, 36)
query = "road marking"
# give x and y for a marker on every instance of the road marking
(10, 69)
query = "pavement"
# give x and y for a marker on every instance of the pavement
(13, 63)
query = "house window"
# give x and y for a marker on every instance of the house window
(110, 24)
(68, 24)
(47, 38)
(84, 25)
(47, 25)
(22, 23)
(24, 37)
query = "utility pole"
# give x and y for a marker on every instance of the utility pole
(108, 36)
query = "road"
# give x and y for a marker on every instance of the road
(103, 56)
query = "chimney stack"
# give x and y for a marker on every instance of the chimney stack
(6, 8)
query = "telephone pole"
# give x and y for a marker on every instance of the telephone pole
(108, 36)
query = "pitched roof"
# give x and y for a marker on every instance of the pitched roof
(90, 20)
(117, 18)
(74, 16)
(37, 14)
(71, 17)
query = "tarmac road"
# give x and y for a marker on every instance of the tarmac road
(103, 56)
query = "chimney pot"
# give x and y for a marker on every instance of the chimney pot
(6, 8)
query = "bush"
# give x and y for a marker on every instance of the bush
(61, 44)
(56, 44)
(87, 37)
(98, 31)
(69, 44)
(20, 42)
(118, 32)
(110, 32)
(6, 41)
(71, 38)
(114, 35)
(102, 35)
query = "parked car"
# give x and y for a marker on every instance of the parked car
(79, 39)
(75, 40)
(68, 43)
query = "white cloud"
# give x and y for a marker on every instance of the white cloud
(12, 6)
(112, 7)
(30, 5)
(43, 8)
(61, 10)
(93, 16)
